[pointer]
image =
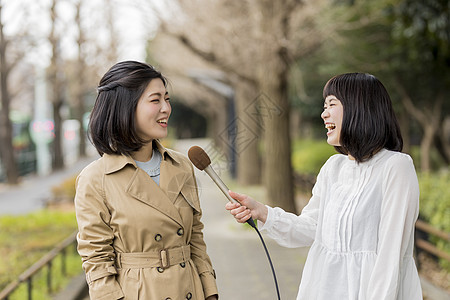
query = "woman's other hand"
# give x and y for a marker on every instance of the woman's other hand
(248, 208)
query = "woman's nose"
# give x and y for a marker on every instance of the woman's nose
(165, 107)
(324, 114)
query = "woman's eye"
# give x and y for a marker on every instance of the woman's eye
(154, 100)
(167, 99)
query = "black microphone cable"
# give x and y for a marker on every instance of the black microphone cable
(252, 224)
(201, 160)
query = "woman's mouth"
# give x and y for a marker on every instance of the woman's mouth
(162, 122)
(330, 127)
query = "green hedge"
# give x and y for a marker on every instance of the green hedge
(435, 206)
(308, 156)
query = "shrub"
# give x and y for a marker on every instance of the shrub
(308, 155)
(65, 191)
(435, 205)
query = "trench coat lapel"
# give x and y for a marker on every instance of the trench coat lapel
(172, 179)
(147, 191)
(175, 178)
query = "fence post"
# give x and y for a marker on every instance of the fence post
(63, 262)
(30, 288)
(49, 277)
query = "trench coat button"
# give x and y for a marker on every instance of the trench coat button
(159, 269)
(183, 264)
(189, 296)
(180, 232)
(158, 237)
(168, 298)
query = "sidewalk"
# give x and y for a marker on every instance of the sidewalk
(32, 193)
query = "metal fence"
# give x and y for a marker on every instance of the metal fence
(46, 261)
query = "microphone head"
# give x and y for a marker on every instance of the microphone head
(199, 157)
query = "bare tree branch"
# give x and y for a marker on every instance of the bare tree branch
(208, 56)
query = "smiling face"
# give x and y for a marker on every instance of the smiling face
(153, 111)
(332, 115)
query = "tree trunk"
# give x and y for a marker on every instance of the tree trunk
(425, 146)
(277, 155)
(57, 93)
(58, 155)
(428, 117)
(79, 114)
(79, 93)
(444, 139)
(248, 138)
(404, 123)
(296, 125)
(6, 145)
(273, 106)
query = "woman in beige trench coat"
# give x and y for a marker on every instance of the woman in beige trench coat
(138, 212)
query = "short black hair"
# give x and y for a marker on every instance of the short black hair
(369, 123)
(112, 128)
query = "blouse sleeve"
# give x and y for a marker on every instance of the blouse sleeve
(399, 211)
(290, 230)
(95, 238)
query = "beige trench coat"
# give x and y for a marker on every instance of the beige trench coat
(138, 240)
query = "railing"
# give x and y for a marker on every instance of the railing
(47, 260)
(424, 245)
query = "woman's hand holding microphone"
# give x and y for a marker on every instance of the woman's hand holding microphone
(248, 208)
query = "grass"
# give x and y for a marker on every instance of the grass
(27, 238)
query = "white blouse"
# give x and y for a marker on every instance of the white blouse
(359, 223)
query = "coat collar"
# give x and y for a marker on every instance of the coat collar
(115, 163)
(174, 179)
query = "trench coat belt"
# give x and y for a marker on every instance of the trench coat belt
(163, 258)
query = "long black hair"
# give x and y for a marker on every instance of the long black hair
(112, 128)
(369, 123)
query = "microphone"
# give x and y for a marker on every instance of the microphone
(202, 162)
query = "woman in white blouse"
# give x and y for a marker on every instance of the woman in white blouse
(360, 219)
